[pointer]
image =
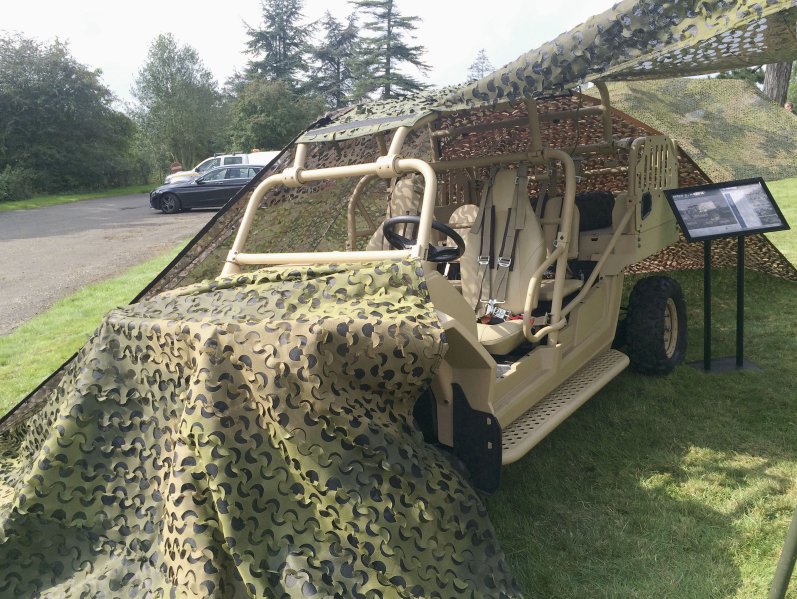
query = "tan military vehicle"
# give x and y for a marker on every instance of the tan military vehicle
(527, 287)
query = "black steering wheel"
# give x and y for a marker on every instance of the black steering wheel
(437, 253)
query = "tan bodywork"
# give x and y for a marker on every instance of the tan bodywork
(571, 341)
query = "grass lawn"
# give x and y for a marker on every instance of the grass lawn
(680, 486)
(785, 194)
(52, 200)
(34, 350)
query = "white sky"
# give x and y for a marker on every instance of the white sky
(115, 36)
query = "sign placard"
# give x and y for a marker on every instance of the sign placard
(727, 209)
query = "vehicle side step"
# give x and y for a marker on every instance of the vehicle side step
(532, 427)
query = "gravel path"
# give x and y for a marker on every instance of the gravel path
(48, 253)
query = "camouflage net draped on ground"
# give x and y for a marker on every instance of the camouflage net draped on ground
(248, 436)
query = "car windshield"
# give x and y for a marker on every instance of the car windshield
(208, 164)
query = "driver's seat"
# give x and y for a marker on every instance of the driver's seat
(405, 199)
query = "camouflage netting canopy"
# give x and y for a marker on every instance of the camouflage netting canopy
(636, 39)
(252, 435)
(248, 437)
(727, 126)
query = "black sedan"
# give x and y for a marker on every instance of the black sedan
(211, 190)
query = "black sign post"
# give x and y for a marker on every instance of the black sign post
(732, 209)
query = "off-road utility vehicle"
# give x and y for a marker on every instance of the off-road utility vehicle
(524, 268)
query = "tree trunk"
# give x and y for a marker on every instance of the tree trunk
(776, 81)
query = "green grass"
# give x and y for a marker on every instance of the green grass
(680, 486)
(52, 200)
(33, 351)
(785, 194)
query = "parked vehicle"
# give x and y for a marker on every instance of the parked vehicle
(211, 190)
(222, 160)
(529, 326)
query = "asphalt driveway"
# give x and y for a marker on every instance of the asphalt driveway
(47, 253)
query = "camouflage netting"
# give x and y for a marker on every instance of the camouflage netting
(199, 446)
(727, 126)
(635, 39)
(248, 437)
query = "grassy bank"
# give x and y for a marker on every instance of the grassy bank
(680, 486)
(31, 352)
(52, 200)
(785, 194)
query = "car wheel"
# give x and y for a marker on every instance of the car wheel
(170, 204)
(655, 327)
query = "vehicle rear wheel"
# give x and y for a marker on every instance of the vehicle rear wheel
(655, 327)
(170, 204)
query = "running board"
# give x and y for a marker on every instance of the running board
(534, 425)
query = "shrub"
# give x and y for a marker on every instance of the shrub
(16, 183)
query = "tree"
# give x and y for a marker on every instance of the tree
(280, 42)
(179, 107)
(480, 67)
(333, 72)
(751, 74)
(268, 115)
(776, 81)
(57, 119)
(385, 51)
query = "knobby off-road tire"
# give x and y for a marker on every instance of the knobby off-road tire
(655, 327)
(170, 204)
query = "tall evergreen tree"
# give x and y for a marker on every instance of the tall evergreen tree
(279, 46)
(333, 73)
(387, 50)
(480, 67)
(178, 103)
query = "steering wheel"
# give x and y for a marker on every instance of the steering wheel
(437, 253)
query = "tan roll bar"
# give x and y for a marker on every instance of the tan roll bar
(386, 167)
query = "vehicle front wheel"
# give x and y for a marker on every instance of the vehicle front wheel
(170, 204)
(655, 327)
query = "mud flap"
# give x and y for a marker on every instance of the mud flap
(477, 442)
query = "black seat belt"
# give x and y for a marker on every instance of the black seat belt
(485, 225)
(515, 221)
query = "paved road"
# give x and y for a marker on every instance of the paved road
(47, 253)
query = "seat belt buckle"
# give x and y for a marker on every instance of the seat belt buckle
(504, 262)
(500, 313)
(491, 306)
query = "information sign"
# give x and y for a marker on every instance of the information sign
(726, 209)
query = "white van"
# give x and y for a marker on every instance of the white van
(262, 158)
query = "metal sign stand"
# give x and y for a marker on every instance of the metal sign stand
(731, 363)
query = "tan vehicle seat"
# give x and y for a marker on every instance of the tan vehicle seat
(480, 283)
(405, 199)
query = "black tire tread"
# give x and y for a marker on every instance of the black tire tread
(645, 325)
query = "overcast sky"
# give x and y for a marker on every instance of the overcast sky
(114, 36)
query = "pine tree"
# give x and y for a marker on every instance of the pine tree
(480, 67)
(279, 43)
(387, 50)
(332, 74)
